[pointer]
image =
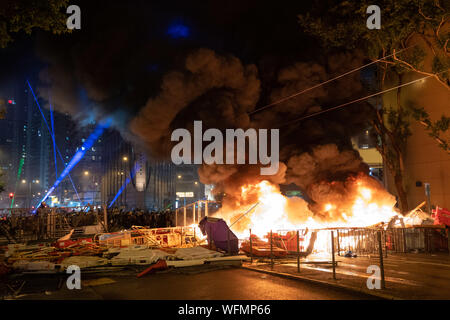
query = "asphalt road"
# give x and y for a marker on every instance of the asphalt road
(225, 284)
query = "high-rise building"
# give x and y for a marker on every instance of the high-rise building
(32, 159)
(24, 144)
(131, 179)
(62, 152)
(87, 174)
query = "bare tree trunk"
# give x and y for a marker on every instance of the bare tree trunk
(392, 146)
(402, 196)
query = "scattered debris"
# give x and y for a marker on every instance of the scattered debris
(67, 236)
(97, 282)
(106, 252)
(138, 257)
(33, 265)
(350, 254)
(84, 261)
(196, 253)
(160, 265)
(261, 248)
(442, 216)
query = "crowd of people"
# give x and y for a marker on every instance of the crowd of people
(21, 223)
(125, 219)
(119, 218)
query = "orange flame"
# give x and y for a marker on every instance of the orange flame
(277, 212)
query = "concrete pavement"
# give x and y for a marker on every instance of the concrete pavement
(227, 284)
(408, 276)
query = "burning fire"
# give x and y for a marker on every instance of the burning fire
(366, 206)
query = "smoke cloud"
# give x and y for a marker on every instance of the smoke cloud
(124, 74)
(218, 90)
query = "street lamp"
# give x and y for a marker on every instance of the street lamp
(124, 159)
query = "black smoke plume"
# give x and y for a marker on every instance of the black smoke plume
(152, 86)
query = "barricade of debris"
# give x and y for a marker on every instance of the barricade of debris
(159, 248)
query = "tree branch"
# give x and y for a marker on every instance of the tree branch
(409, 66)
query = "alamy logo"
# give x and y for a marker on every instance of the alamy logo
(74, 280)
(74, 21)
(374, 281)
(374, 20)
(213, 153)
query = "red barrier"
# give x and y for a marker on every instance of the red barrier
(442, 216)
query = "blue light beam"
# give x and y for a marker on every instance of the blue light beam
(98, 131)
(125, 184)
(57, 149)
(53, 138)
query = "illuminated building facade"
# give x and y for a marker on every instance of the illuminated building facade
(25, 145)
(130, 179)
(188, 186)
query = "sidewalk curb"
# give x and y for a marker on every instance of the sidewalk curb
(323, 283)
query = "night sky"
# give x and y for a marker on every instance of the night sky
(262, 33)
(157, 66)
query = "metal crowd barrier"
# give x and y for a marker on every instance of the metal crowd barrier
(21, 224)
(194, 212)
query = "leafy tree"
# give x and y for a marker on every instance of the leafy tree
(26, 15)
(403, 22)
(409, 30)
(435, 129)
